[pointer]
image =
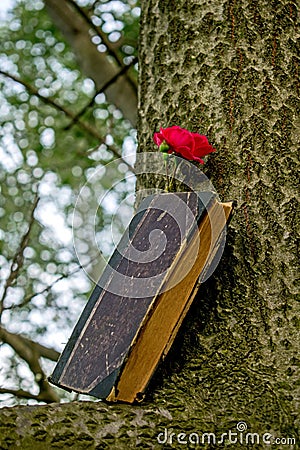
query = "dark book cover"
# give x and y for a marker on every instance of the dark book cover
(134, 276)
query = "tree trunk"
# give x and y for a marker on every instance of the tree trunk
(229, 70)
(96, 65)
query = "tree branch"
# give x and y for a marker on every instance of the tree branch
(50, 101)
(104, 39)
(103, 89)
(18, 259)
(20, 393)
(30, 352)
(43, 291)
(96, 65)
(17, 340)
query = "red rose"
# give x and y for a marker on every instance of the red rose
(191, 146)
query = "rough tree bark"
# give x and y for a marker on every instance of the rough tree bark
(228, 69)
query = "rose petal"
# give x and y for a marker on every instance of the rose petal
(158, 138)
(184, 152)
(202, 146)
(191, 146)
(195, 158)
(178, 137)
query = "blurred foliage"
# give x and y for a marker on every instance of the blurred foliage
(40, 154)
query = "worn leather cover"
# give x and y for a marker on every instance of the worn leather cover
(97, 348)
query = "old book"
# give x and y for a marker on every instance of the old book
(132, 317)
